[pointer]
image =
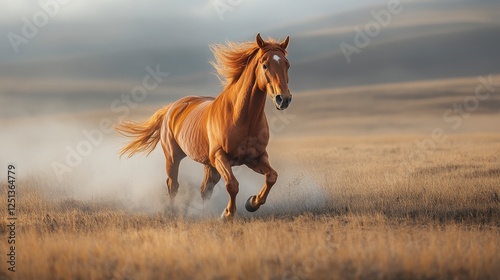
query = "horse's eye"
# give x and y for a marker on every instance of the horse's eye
(264, 66)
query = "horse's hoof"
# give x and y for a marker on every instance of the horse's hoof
(223, 217)
(248, 205)
(206, 195)
(226, 218)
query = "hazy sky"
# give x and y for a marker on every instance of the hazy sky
(90, 52)
(103, 26)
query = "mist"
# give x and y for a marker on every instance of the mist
(137, 184)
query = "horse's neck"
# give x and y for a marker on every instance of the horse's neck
(245, 99)
(249, 105)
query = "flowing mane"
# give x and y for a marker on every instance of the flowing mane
(232, 58)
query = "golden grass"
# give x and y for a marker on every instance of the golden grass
(439, 219)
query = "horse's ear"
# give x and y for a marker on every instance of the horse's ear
(284, 44)
(260, 41)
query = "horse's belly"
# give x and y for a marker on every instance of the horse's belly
(194, 146)
(190, 131)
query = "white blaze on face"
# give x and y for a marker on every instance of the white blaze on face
(277, 58)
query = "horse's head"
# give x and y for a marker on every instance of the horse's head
(272, 72)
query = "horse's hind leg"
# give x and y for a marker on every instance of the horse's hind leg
(172, 169)
(173, 157)
(211, 179)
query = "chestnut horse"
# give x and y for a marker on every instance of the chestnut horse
(225, 131)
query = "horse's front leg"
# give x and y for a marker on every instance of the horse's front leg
(223, 166)
(261, 165)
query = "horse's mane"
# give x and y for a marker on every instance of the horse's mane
(232, 58)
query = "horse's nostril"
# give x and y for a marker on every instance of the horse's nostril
(287, 101)
(279, 100)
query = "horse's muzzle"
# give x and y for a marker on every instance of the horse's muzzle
(282, 102)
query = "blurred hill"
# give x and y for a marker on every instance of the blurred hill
(426, 41)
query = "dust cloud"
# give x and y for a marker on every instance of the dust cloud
(137, 184)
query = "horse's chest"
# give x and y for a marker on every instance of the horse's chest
(247, 149)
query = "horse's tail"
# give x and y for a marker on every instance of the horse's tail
(145, 135)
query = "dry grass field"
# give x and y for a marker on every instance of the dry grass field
(382, 217)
